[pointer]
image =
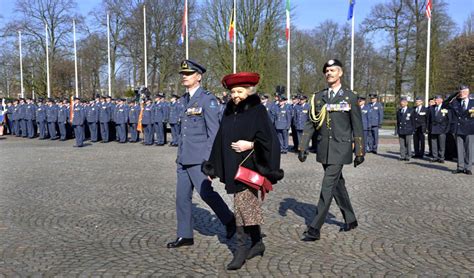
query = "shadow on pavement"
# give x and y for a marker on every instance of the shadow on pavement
(306, 211)
(208, 224)
(431, 166)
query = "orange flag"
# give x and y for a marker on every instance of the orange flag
(71, 109)
(140, 117)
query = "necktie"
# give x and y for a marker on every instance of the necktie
(464, 106)
(331, 94)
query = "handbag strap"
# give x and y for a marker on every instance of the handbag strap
(245, 159)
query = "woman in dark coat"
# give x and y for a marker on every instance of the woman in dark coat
(245, 126)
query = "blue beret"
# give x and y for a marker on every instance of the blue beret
(191, 67)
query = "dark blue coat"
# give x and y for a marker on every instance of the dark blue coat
(269, 106)
(147, 118)
(375, 114)
(9, 112)
(199, 125)
(438, 123)
(52, 114)
(134, 114)
(421, 119)
(282, 116)
(79, 115)
(174, 112)
(121, 114)
(92, 113)
(41, 113)
(302, 116)
(63, 114)
(406, 122)
(464, 117)
(365, 116)
(30, 111)
(160, 112)
(105, 113)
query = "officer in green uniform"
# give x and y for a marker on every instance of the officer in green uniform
(336, 118)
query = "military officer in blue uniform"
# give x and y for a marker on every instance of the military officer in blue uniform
(438, 127)
(14, 117)
(302, 114)
(335, 118)
(364, 108)
(121, 120)
(30, 117)
(199, 125)
(421, 122)
(268, 105)
(375, 122)
(174, 114)
(63, 117)
(133, 115)
(105, 115)
(52, 118)
(160, 112)
(21, 118)
(41, 120)
(92, 118)
(282, 116)
(463, 111)
(9, 114)
(294, 107)
(405, 129)
(147, 122)
(77, 122)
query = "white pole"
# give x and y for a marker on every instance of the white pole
(352, 53)
(108, 54)
(75, 56)
(48, 84)
(21, 66)
(427, 86)
(186, 27)
(144, 46)
(288, 65)
(235, 37)
(33, 82)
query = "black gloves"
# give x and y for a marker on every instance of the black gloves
(302, 155)
(358, 160)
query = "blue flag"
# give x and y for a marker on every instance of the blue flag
(351, 9)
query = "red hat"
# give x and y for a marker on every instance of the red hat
(241, 79)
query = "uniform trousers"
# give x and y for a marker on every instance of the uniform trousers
(132, 127)
(62, 131)
(104, 131)
(148, 134)
(419, 142)
(333, 186)
(17, 128)
(373, 138)
(93, 130)
(23, 128)
(160, 133)
(30, 128)
(367, 140)
(190, 177)
(52, 130)
(174, 133)
(438, 145)
(42, 127)
(405, 146)
(465, 145)
(79, 135)
(283, 138)
(121, 132)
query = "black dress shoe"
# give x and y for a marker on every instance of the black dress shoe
(311, 234)
(348, 226)
(441, 161)
(468, 172)
(457, 171)
(180, 241)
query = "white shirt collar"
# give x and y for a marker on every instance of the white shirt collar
(335, 90)
(193, 91)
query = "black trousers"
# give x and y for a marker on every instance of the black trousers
(419, 142)
(333, 186)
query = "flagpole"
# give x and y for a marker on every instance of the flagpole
(75, 56)
(234, 70)
(186, 28)
(288, 65)
(48, 84)
(21, 66)
(145, 59)
(352, 52)
(33, 82)
(108, 54)
(427, 86)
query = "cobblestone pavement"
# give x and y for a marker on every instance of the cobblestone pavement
(108, 210)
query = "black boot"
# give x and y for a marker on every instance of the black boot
(257, 248)
(242, 250)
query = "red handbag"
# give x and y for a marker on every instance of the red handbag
(253, 179)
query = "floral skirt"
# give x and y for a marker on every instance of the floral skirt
(248, 208)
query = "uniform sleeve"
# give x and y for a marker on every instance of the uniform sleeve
(380, 115)
(308, 132)
(211, 118)
(357, 127)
